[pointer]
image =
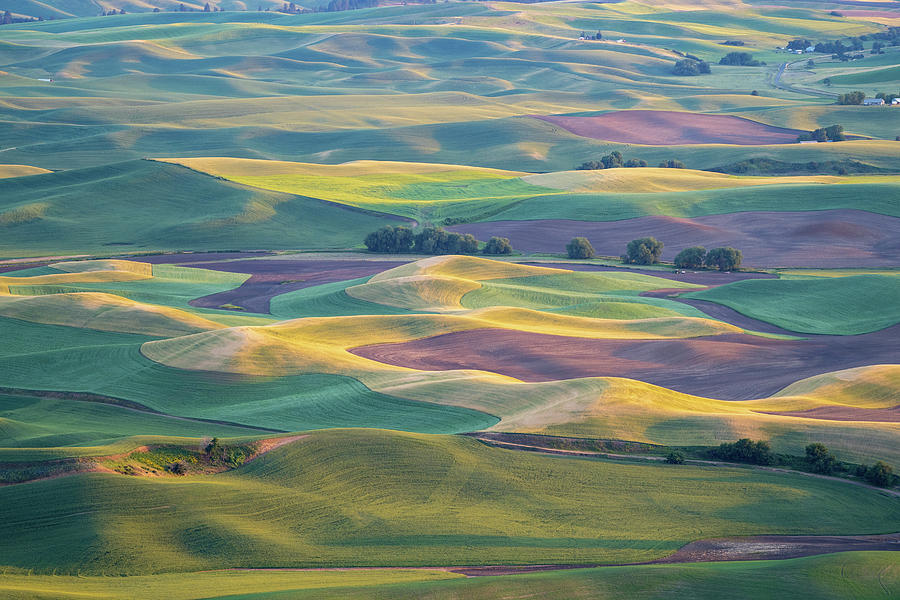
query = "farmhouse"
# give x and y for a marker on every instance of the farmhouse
(873, 102)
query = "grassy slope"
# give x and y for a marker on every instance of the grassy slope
(49, 357)
(589, 195)
(860, 575)
(143, 205)
(370, 497)
(837, 305)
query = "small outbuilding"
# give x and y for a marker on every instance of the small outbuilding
(873, 102)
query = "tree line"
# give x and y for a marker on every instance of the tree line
(615, 160)
(817, 458)
(431, 240)
(647, 250)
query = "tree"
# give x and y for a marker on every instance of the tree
(739, 59)
(851, 98)
(690, 258)
(580, 247)
(643, 251)
(613, 160)
(671, 164)
(675, 458)
(877, 48)
(880, 474)
(434, 240)
(498, 245)
(745, 450)
(206, 8)
(390, 239)
(799, 44)
(724, 259)
(835, 133)
(7, 18)
(691, 67)
(214, 450)
(810, 64)
(820, 460)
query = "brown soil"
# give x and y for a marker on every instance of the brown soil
(884, 14)
(670, 128)
(829, 238)
(846, 413)
(768, 547)
(761, 547)
(729, 367)
(271, 278)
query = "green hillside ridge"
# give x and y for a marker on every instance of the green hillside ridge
(823, 305)
(863, 575)
(146, 206)
(370, 497)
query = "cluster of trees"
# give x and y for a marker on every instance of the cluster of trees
(768, 166)
(880, 474)
(613, 160)
(647, 250)
(431, 240)
(688, 67)
(7, 18)
(856, 97)
(434, 240)
(746, 451)
(587, 36)
(799, 44)
(834, 133)
(722, 258)
(888, 98)
(817, 459)
(733, 43)
(740, 59)
(643, 251)
(672, 164)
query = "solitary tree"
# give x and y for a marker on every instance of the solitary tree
(206, 8)
(675, 458)
(690, 258)
(724, 259)
(580, 247)
(498, 245)
(643, 251)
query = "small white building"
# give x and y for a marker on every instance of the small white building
(873, 102)
(811, 49)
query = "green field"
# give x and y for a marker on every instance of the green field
(834, 305)
(370, 497)
(860, 575)
(243, 128)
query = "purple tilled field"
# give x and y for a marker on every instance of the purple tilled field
(270, 278)
(829, 238)
(728, 367)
